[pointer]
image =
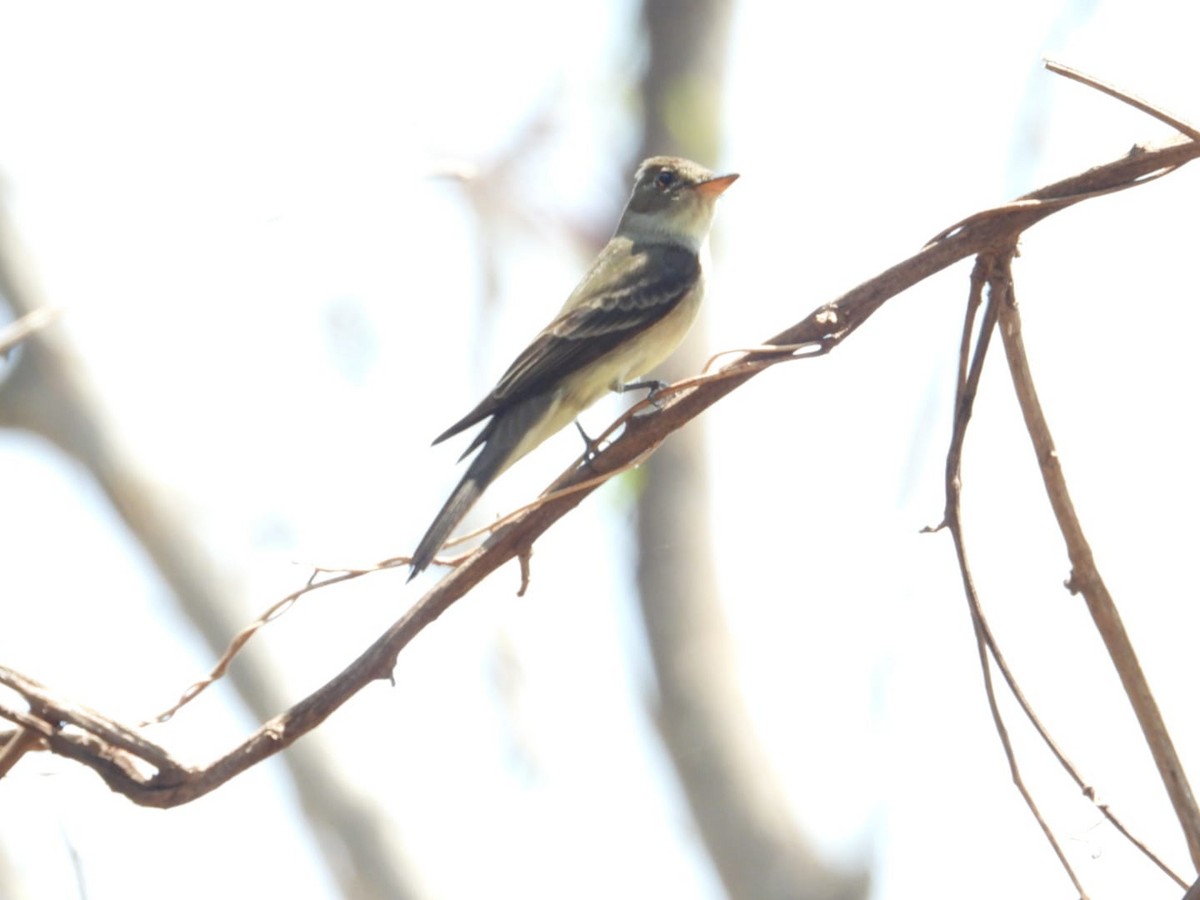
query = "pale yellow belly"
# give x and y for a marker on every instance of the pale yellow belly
(627, 363)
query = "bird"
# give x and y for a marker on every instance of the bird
(628, 313)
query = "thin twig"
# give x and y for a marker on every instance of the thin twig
(968, 380)
(969, 372)
(1002, 731)
(273, 612)
(1125, 97)
(1085, 787)
(1085, 579)
(970, 367)
(550, 496)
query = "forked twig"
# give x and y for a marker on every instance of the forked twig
(994, 270)
(1086, 580)
(970, 368)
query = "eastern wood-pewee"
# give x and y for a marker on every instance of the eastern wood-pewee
(627, 315)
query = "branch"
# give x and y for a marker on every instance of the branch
(826, 327)
(1085, 579)
(994, 271)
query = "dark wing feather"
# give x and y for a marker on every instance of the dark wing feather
(654, 279)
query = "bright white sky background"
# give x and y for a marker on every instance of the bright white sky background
(280, 308)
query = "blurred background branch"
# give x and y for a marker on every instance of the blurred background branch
(47, 392)
(742, 814)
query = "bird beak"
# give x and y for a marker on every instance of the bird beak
(715, 187)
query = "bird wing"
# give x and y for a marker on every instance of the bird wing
(628, 289)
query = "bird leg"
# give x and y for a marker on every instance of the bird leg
(653, 385)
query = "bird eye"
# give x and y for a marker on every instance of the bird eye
(665, 179)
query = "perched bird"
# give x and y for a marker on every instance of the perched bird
(628, 314)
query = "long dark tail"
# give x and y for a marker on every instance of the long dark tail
(500, 439)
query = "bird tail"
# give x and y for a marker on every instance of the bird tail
(500, 439)
(478, 477)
